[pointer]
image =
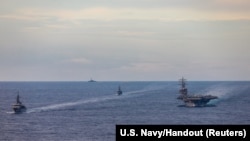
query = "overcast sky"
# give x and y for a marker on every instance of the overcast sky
(124, 40)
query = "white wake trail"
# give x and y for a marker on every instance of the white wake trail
(69, 104)
(92, 100)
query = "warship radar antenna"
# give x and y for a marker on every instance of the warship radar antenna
(183, 89)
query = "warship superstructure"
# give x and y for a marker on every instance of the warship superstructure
(193, 100)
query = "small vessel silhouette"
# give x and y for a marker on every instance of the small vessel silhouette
(91, 80)
(119, 92)
(18, 107)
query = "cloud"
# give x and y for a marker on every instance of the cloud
(79, 61)
(146, 67)
(233, 2)
(109, 14)
(125, 38)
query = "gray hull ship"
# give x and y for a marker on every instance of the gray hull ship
(18, 107)
(119, 92)
(193, 100)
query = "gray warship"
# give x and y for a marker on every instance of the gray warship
(91, 80)
(193, 100)
(119, 92)
(18, 107)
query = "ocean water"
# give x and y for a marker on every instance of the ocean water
(84, 111)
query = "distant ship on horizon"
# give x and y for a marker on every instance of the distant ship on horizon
(119, 92)
(91, 80)
(193, 100)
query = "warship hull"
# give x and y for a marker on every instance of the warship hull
(18, 107)
(201, 101)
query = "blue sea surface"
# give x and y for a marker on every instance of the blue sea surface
(89, 111)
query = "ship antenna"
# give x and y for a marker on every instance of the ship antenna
(18, 98)
(183, 82)
(183, 89)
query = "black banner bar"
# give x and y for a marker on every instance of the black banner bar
(188, 132)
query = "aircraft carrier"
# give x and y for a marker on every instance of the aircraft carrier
(193, 100)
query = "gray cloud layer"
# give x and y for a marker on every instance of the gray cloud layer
(124, 40)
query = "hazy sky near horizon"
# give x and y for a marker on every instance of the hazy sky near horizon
(124, 40)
